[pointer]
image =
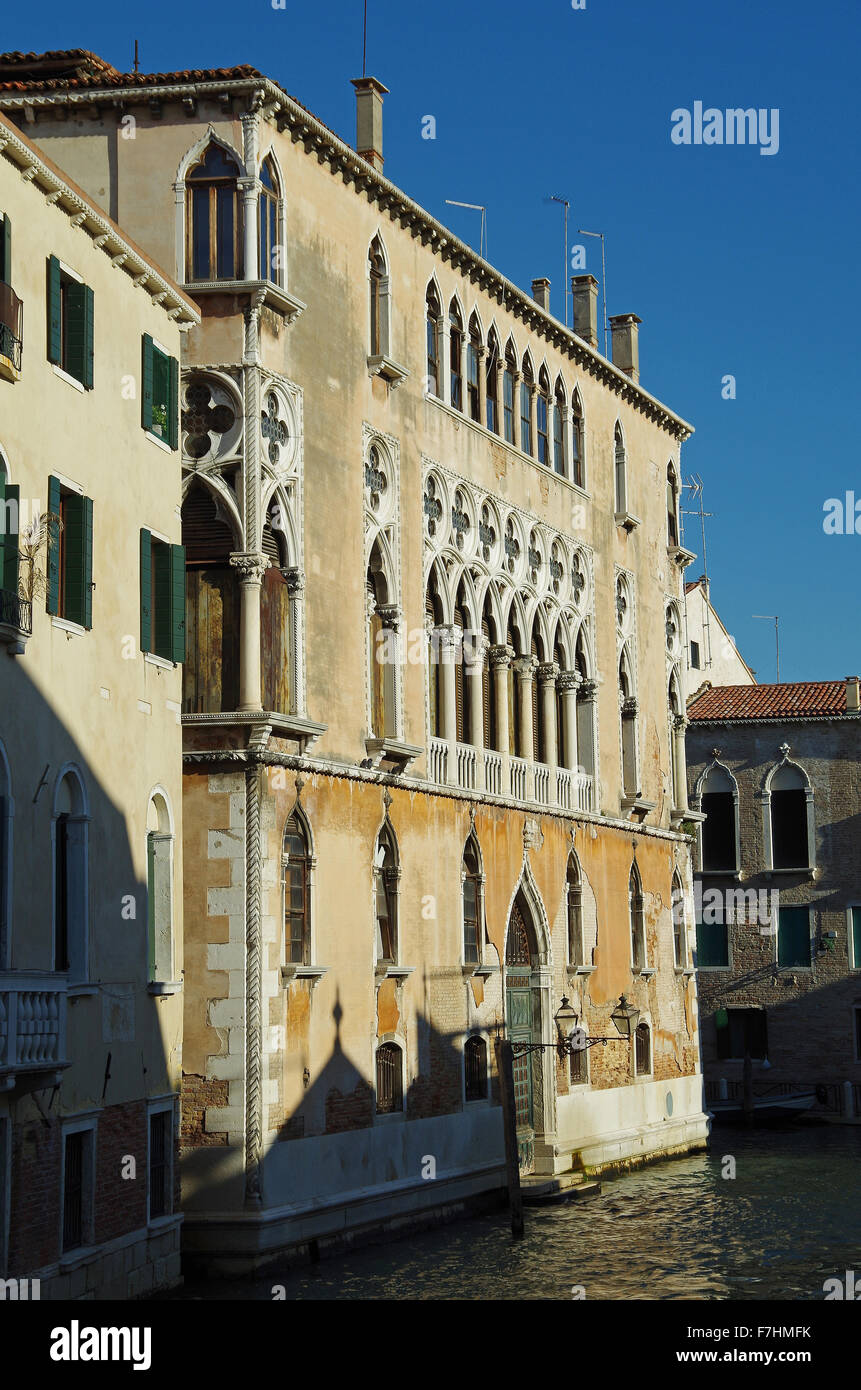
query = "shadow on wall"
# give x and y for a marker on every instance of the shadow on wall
(64, 833)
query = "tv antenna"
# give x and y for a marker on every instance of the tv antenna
(773, 618)
(476, 207)
(554, 198)
(364, 37)
(581, 231)
(137, 62)
(694, 486)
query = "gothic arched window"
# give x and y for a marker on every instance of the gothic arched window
(295, 863)
(270, 266)
(473, 927)
(386, 874)
(214, 213)
(636, 912)
(433, 318)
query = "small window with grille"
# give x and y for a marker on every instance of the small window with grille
(642, 1050)
(475, 1068)
(390, 1083)
(160, 1163)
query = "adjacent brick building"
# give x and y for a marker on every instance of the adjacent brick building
(775, 769)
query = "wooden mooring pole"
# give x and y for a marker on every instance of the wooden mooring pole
(505, 1071)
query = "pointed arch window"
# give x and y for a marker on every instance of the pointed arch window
(491, 376)
(295, 865)
(455, 340)
(473, 367)
(475, 1068)
(433, 622)
(159, 843)
(628, 713)
(473, 905)
(508, 376)
(790, 816)
(574, 911)
(214, 217)
(620, 471)
(71, 891)
(542, 418)
(672, 508)
(643, 1050)
(680, 953)
(378, 277)
(386, 875)
(433, 320)
(463, 687)
(270, 265)
(491, 733)
(559, 430)
(526, 387)
(578, 473)
(719, 832)
(636, 910)
(382, 658)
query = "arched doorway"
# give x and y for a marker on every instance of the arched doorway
(522, 1018)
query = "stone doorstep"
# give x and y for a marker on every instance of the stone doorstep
(538, 1188)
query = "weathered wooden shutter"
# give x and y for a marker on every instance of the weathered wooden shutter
(458, 678)
(79, 333)
(146, 377)
(161, 574)
(10, 495)
(509, 680)
(146, 591)
(6, 250)
(173, 402)
(486, 689)
(432, 676)
(53, 592)
(89, 338)
(55, 337)
(74, 557)
(378, 705)
(536, 753)
(177, 603)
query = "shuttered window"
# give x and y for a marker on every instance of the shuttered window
(5, 249)
(70, 324)
(160, 394)
(160, 1137)
(70, 554)
(162, 611)
(460, 693)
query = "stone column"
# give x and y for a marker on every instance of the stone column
(296, 592)
(390, 617)
(568, 683)
(533, 423)
(524, 668)
(546, 675)
(515, 409)
(680, 769)
(448, 643)
(500, 663)
(500, 368)
(481, 353)
(251, 566)
(250, 187)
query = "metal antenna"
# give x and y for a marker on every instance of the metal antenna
(137, 64)
(554, 198)
(476, 207)
(364, 37)
(773, 618)
(694, 486)
(581, 231)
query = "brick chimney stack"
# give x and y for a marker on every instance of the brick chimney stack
(626, 345)
(369, 120)
(853, 701)
(584, 290)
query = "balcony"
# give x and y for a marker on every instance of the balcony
(486, 770)
(16, 620)
(11, 329)
(32, 1029)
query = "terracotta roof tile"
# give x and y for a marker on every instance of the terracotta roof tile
(77, 68)
(792, 700)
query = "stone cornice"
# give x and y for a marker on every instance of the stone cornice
(105, 235)
(342, 159)
(773, 719)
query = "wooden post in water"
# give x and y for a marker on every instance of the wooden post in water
(747, 1083)
(505, 1071)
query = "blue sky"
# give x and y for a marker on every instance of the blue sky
(738, 263)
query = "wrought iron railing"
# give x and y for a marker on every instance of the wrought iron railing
(15, 611)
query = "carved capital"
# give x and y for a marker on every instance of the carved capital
(390, 616)
(525, 667)
(547, 672)
(568, 681)
(589, 690)
(501, 657)
(629, 707)
(251, 564)
(295, 582)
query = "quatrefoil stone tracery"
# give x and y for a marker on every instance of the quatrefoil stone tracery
(273, 427)
(203, 418)
(375, 479)
(432, 507)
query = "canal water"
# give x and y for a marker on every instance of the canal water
(787, 1221)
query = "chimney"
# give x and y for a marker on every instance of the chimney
(369, 120)
(703, 582)
(853, 702)
(584, 291)
(541, 293)
(626, 346)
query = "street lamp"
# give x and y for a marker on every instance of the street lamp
(571, 1038)
(625, 1017)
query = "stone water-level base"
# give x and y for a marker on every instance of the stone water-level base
(138, 1263)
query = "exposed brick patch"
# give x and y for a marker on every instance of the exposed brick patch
(355, 1110)
(198, 1094)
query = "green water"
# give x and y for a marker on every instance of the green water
(790, 1219)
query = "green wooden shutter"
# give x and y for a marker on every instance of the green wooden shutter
(173, 403)
(78, 548)
(11, 523)
(2, 529)
(55, 336)
(87, 378)
(76, 339)
(146, 373)
(146, 591)
(177, 602)
(53, 593)
(6, 250)
(161, 572)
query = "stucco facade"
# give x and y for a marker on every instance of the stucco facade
(341, 501)
(90, 762)
(712, 655)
